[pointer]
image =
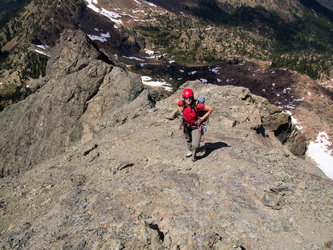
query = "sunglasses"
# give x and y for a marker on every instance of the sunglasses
(186, 98)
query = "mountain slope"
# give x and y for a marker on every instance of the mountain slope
(8, 6)
(131, 186)
(187, 43)
(63, 112)
(124, 182)
(74, 76)
(234, 29)
(95, 159)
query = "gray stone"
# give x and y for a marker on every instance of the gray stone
(272, 199)
(56, 194)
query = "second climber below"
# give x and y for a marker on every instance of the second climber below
(191, 111)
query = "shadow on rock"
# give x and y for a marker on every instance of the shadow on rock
(210, 147)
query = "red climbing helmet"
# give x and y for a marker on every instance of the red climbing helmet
(188, 93)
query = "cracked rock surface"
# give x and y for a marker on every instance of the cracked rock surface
(111, 172)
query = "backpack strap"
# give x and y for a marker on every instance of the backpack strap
(194, 107)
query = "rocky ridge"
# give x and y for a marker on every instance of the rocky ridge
(115, 31)
(62, 112)
(107, 168)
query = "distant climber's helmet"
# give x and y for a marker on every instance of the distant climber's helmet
(188, 93)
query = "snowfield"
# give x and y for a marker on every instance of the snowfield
(318, 151)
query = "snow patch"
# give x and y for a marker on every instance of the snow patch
(149, 3)
(216, 70)
(294, 120)
(147, 80)
(41, 52)
(286, 90)
(134, 58)
(318, 151)
(106, 35)
(42, 46)
(149, 52)
(101, 38)
(113, 16)
(98, 38)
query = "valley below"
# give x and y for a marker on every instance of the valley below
(92, 155)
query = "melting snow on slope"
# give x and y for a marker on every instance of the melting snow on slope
(151, 4)
(101, 38)
(293, 119)
(42, 46)
(147, 80)
(327, 84)
(41, 52)
(319, 152)
(133, 58)
(113, 16)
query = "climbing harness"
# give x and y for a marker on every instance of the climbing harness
(192, 125)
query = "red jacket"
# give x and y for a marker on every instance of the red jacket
(189, 113)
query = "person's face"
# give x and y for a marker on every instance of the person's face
(188, 100)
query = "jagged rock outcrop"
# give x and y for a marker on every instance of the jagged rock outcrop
(79, 90)
(280, 124)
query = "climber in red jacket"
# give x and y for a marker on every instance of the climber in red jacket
(190, 109)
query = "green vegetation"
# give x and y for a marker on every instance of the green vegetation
(9, 6)
(9, 27)
(34, 66)
(191, 42)
(226, 33)
(23, 22)
(308, 48)
(12, 93)
(308, 36)
(309, 66)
